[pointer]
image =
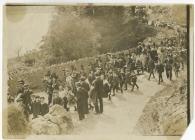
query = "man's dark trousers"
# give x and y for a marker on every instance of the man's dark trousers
(160, 78)
(99, 105)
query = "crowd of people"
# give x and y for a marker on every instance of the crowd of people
(83, 89)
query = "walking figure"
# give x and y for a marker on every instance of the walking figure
(160, 70)
(177, 68)
(169, 71)
(134, 82)
(151, 69)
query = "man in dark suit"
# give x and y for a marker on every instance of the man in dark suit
(98, 86)
(80, 95)
(85, 85)
(151, 69)
(168, 67)
(160, 70)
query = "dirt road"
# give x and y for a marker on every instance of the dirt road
(122, 113)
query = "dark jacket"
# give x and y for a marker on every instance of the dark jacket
(98, 85)
(134, 79)
(168, 67)
(44, 109)
(26, 97)
(151, 65)
(160, 68)
(85, 85)
(106, 90)
(81, 94)
(36, 108)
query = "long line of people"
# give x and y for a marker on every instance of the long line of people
(84, 89)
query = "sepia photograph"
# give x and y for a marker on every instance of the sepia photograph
(89, 69)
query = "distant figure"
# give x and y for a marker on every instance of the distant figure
(160, 70)
(151, 69)
(134, 82)
(168, 68)
(45, 79)
(49, 89)
(177, 68)
(56, 98)
(127, 79)
(139, 67)
(114, 83)
(121, 77)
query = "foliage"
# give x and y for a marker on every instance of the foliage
(77, 32)
(70, 37)
(118, 27)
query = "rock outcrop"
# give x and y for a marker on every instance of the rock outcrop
(57, 121)
(15, 123)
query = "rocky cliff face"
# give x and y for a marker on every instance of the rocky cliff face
(166, 112)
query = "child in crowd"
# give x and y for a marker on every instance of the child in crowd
(71, 99)
(65, 103)
(44, 107)
(63, 96)
(36, 107)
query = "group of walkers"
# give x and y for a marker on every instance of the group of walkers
(83, 89)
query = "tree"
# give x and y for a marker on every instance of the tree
(118, 26)
(70, 36)
(81, 31)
